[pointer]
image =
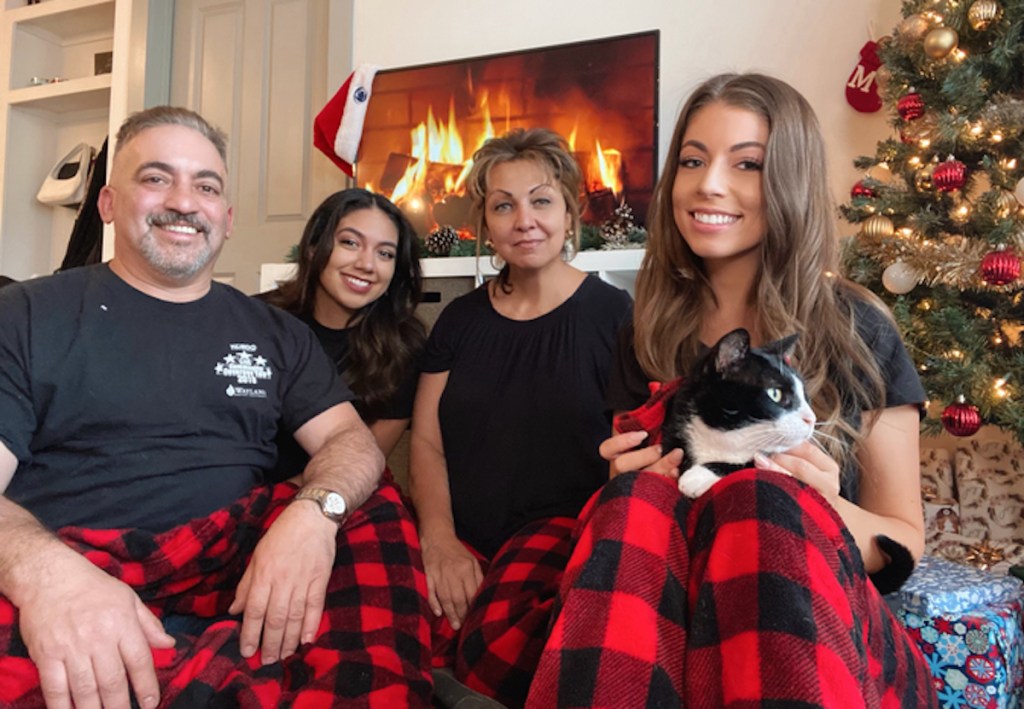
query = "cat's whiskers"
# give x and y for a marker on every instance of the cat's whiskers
(820, 435)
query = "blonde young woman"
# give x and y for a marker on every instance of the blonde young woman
(509, 415)
(756, 591)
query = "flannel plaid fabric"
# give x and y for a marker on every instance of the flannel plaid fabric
(372, 647)
(650, 415)
(497, 648)
(752, 595)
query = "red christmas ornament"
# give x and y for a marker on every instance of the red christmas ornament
(1000, 267)
(961, 418)
(859, 189)
(950, 175)
(910, 107)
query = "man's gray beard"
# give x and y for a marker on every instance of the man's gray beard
(174, 262)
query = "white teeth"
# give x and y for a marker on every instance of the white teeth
(716, 219)
(180, 229)
(358, 282)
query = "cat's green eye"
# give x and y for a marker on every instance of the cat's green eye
(774, 393)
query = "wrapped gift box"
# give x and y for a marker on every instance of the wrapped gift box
(968, 625)
(941, 587)
(975, 659)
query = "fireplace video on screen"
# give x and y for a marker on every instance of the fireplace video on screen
(424, 123)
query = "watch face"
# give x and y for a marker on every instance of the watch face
(334, 504)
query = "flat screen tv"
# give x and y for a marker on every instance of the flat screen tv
(424, 123)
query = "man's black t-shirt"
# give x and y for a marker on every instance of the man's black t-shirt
(129, 411)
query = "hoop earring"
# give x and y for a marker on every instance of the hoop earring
(569, 247)
(497, 262)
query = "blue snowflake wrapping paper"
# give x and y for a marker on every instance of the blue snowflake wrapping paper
(975, 659)
(939, 587)
(968, 625)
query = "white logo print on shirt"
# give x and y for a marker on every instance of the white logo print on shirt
(246, 367)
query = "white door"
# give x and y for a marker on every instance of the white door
(258, 70)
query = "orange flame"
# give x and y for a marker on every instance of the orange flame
(609, 167)
(442, 144)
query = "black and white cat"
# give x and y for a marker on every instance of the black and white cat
(738, 400)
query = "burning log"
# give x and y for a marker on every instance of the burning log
(453, 211)
(600, 206)
(394, 169)
(441, 179)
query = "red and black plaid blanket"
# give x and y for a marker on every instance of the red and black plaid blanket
(372, 647)
(752, 595)
(499, 644)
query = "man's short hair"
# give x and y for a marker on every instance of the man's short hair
(171, 116)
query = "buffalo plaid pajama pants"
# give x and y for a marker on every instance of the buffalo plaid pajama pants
(497, 648)
(752, 595)
(372, 647)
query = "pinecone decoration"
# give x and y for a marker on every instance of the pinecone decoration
(617, 229)
(440, 241)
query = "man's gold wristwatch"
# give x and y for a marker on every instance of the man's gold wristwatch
(332, 504)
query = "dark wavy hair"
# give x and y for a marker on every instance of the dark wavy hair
(386, 337)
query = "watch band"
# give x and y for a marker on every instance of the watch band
(331, 502)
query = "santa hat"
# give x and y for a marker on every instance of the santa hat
(338, 128)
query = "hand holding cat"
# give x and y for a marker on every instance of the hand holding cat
(619, 452)
(809, 464)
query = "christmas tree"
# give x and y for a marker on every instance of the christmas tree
(939, 211)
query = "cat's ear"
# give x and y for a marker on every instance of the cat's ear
(732, 348)
(783, 348)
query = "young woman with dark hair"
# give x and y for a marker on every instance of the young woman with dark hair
(357, 285)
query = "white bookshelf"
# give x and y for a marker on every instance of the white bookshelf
(40, 123)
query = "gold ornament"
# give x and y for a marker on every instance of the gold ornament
(923, 178)
(912, 28)
(1006, 203)
(882, 76)
(983, 13)
(939, 42)
(877, 225)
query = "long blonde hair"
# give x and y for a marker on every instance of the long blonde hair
(797, 289)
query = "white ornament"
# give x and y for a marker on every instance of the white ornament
(1018, 191)
(899, 278)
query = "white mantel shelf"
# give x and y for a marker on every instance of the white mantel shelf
(618, 267)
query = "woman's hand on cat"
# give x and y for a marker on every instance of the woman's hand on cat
(622, 458)
(453, 577)
(809, 464)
